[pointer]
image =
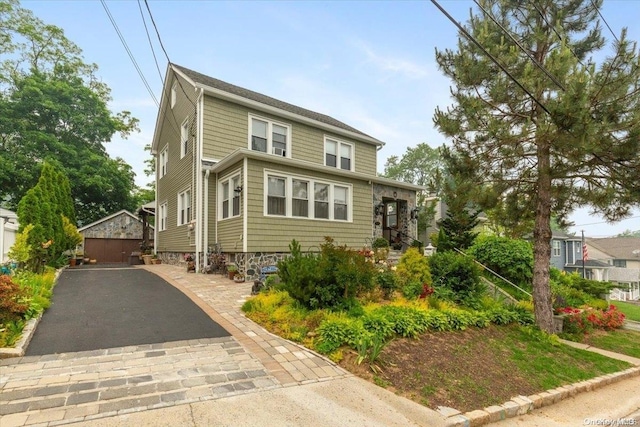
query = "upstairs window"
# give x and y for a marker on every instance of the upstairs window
(164, 157)
(184, 207)
(269, 137)
(184, 138)
(338, 154)
(555, 247)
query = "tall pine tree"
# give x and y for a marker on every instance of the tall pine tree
(572, 141)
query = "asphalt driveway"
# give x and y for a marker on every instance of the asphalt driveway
(115, 307)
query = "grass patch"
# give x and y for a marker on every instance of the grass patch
(632, 311)
(620, 341)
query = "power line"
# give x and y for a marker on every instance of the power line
(153, 52)
(522, 48)
(493, 59)
(131, 56)
(605, 21)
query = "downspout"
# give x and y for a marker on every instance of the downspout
(244, 204)
(197, 149)
(206, 216)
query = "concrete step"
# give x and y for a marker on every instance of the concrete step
(74, 386)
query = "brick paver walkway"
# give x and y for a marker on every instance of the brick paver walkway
(69, 387)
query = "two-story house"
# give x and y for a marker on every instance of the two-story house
(247, 173)
(623, 254)
(567, 253)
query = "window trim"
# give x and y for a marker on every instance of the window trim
(174, 93)
(181, 208)
(163, 159)
(163, 216)
(184, 138)
(270, 123)
(339, 143)
(311, 181)
(556, 248)
(228, 179)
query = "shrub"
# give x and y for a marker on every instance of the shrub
(338, 330)
(380, 242)
(387, 282)
(413, 267)
(458, 273)
(511, 258)
(14, 301)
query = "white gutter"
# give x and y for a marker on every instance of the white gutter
(197, 149)
(245, 180)
(206, 216)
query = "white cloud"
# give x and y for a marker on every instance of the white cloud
(394, 64)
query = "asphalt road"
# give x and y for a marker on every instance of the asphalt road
(115, 307)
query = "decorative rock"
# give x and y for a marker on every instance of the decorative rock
(477, 417)
(457, 421)
(510, 409)
(496, 413)
(525, 404)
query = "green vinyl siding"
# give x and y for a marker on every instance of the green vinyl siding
(180, 174)
(226, 128)
(229, 229)
(269, 234)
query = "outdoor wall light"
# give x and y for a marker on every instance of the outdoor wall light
(379, 208)
(238, 189)
(414, 213)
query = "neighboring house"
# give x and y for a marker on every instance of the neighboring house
(566, 254)
(623, 253)
(8, 232)
(246, 173)
(113, 238)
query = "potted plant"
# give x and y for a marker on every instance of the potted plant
(231, 271)
(155, 259)
(381, 248)
(238, 278)
(191, 264)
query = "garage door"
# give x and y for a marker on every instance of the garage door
(110, 250)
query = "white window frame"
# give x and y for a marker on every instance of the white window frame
(162, 216)
(339, 145)
(164, 161)
(270, 123)
(184, 137)
(556, 248)
(184, 210)
(231, 181)
(310, 196)
(174, 93)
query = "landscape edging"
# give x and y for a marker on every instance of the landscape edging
(521, 405)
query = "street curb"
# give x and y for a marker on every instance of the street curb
(521, 405)
(27, 333)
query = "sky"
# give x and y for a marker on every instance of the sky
(370, 64)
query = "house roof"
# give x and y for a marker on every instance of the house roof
(107, 218)
(203, 80)
(591, 263)
(618, 247)
(561, 235)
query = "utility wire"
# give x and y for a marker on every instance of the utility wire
(131, 56)
(522, 48)
(165, 51)
(605, 21)
(153, 52)
(495, 61)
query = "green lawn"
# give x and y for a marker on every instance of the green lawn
(632, 311)
(621, 341)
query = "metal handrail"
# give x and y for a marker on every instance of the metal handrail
(493, 272)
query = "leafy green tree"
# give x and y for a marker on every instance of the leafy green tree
(572, 140)
(53, 106)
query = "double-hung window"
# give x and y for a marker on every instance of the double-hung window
(301, 197)
(184, 207)
(163, 160)
(162, 214)
(277, 196)
(338, 154)
(269, 137)
(230, 197)
(184, 138)
(556, 247)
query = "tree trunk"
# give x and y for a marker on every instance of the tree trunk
(542, 242)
